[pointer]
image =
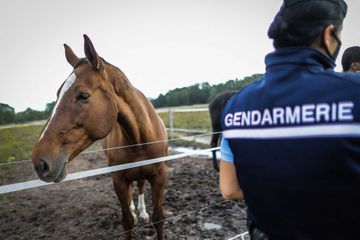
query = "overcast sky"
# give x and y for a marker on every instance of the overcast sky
(159, 44)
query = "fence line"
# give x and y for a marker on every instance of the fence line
(83, 174)
(167, 219)
(99, 171)
(164, 110)
(186, 130)
(171, 112)
(126, 146)
(148, 143)
(242, 235)
(171, 128)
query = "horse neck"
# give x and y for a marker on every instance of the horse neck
(134, 114)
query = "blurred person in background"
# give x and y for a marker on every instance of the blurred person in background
(351, 59)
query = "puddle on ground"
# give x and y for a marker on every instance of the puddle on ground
(212, 226)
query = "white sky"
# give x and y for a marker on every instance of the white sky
(159, 44)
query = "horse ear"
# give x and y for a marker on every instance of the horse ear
(90, 53)
(70, 56)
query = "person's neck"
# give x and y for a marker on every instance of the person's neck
(317, 46)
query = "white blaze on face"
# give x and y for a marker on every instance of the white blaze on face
(68, 83)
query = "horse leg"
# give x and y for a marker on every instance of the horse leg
(123, 191)
(132, 206)
(141, 202)
(158, 185)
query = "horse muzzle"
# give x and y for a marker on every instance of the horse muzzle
(51, 172)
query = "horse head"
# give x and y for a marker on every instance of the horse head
(85, 111)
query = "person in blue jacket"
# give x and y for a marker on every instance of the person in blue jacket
(291, 141)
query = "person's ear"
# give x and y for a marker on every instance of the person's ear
(328, 38)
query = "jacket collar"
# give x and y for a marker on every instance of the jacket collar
(299, 56)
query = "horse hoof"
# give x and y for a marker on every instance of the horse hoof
(136, 220)
(144, 217)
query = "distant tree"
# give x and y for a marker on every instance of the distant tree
(200, 93)
(49, 107)
(30, 115)
(7, 114)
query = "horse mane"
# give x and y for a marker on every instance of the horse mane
(119, 80)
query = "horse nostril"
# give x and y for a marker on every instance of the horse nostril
(44, 168)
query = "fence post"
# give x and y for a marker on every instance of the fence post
(171, 122)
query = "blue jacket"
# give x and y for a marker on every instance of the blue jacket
(295, 140)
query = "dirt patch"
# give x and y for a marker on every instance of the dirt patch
(89, 209)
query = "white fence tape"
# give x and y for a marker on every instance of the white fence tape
(89, 173)
(187, 130)
(164, 110)
(242, 236)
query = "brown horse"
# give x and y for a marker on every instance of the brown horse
(98, 101)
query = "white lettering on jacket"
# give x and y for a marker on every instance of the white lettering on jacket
(307, 113)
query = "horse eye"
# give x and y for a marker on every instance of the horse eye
(83, 97)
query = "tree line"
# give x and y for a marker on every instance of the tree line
(8, 115)
(199, 93)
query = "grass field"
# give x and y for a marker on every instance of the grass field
(16, 142)
(188, 120)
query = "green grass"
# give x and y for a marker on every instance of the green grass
(188, 120)
(16, 143)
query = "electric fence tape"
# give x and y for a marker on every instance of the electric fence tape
(99, 171)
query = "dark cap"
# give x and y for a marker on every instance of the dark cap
(300, 22)
(304, 3)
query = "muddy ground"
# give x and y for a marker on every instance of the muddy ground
(89, 209)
